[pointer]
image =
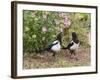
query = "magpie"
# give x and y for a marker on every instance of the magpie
(55, 46)
(73, 44)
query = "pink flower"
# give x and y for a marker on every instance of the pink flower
(61, 14)
(66, 22)
(44, 29)
(66, 18)
(69, 23)
(33, 14)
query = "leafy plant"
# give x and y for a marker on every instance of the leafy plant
(40, 28)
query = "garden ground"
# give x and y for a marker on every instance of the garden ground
(62, 59)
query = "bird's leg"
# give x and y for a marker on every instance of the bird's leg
(75, 56)
(74, 53)
(54, 56)
(54, 53)
(71, 56)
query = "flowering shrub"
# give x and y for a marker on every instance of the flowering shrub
(40, 28)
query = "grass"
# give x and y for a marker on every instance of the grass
(62, 59)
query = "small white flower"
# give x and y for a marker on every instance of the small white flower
(33, 36)
(44, 16)
(44, 29)
(56, 21)
(61, 30)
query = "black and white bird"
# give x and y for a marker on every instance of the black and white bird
(73, 44)
(55, 46)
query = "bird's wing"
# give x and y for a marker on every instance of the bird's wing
(70, 44)
(51, 45)
(55, 42)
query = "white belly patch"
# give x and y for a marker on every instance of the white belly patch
(74, 47)
(56, 47)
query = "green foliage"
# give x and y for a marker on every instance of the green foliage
(41, 27)
(39, 30)
(80, 23)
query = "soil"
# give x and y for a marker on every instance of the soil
(62, 59)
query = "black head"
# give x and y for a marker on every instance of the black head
(59, 37)
(74, 37)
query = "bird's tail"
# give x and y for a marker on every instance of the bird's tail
(46, 49)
